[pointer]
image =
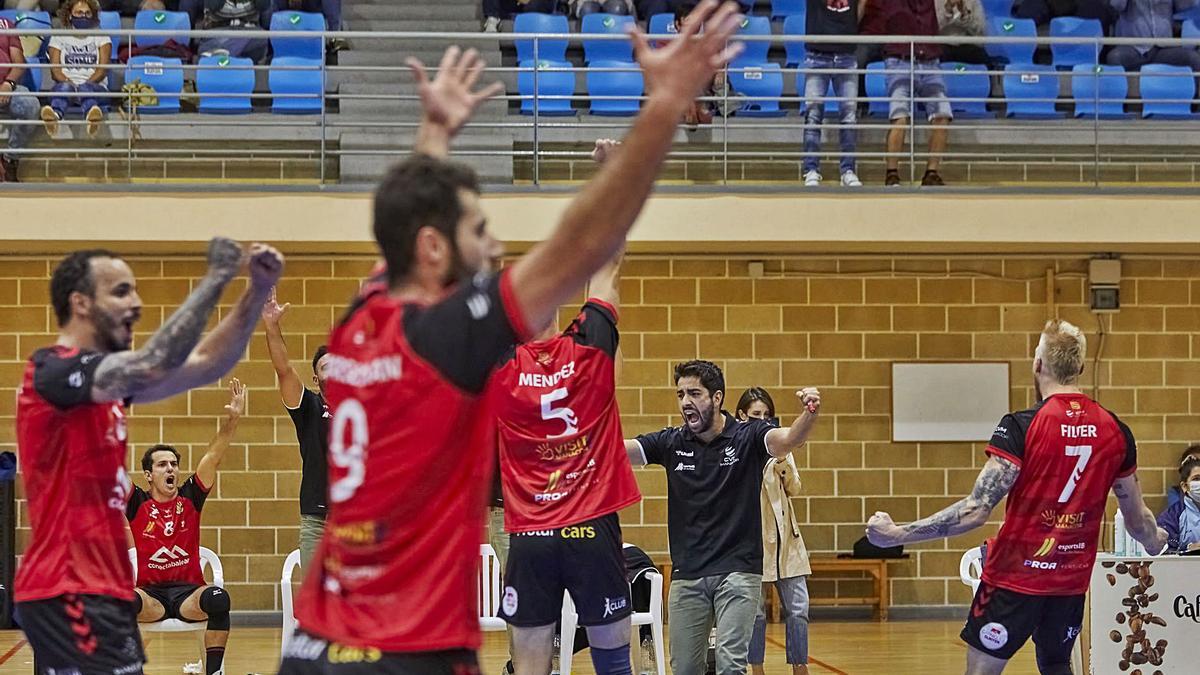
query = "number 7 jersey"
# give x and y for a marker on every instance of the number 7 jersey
(562, 452)
(1070, 451)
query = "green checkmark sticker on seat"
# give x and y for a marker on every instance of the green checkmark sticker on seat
(160, 17)
(1008, 26)
(295, 18)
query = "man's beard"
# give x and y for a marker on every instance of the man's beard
(706, 419)
(107, 330)
(459, 271)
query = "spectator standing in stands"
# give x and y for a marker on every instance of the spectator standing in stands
(16, 103)
(914, 17)
(78, 66)
(962, 17)
(1150, 19)
(495, 10)
(831, 17)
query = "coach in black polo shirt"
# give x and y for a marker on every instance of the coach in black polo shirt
(714, 475)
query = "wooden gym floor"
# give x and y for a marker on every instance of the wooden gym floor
(848, 648)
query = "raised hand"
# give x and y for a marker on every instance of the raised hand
(224, 258)
(810, 398)
(881, 531)
(448, 100)
(604, 149)
(681, 70)
(272, 311)
(237, 399)
(266, 265)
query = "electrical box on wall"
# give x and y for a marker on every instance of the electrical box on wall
(1104, 285)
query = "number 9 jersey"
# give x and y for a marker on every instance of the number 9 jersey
(1070, 451)
(562, 452)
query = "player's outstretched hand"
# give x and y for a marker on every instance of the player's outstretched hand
(266, 265)
(448, 100)
(604, 149)
(237, 399)
(224, 258)
(1160, 542)
(273, 312)
(680, 71)
(881, 531)
(810, 399)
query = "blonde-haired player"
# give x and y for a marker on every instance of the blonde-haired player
(1056, 462)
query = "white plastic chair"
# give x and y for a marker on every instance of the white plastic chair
(970, 569)
(489, 589)
(653, 618)
(208, 559)
(285, 593)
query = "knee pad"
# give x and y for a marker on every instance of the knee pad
(215, 603)
(612, 661)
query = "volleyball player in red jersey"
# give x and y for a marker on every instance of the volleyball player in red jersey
(393, 584)
(1056, 462)
(74, 588)
(565, 476)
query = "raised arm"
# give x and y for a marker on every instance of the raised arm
(993, 483)
(221, 349)
(781, 442)
(1139, 519)
(597, 221)
(447, 101)
(130, 373)
(206, 470)
(291, 388)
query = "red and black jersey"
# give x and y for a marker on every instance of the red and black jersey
(72, 455)
(1070, 451)
(411, 451)
(167, 534)
(562, 453)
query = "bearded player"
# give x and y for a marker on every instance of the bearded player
(393, 585)
(1056, 462)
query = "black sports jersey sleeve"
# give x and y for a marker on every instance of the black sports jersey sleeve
(465, 334)
(758, 429)
(65, 381)
(596, 326)
(656, 445)
(1129, 464)
(136, 499)
(193, 492)
(1008, 439)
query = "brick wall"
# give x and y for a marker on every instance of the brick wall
(833, 323)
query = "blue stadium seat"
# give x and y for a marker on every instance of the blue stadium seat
(111, 21)
(232, 78)
(1190, 30)
(1068, 56)
(1167, 91)
(1106, 83)
(611, 83)
(1017, 53)
(606, 50)
(297, 22)
(536, 22)
(876, 85)
(304, 86)
(785, 8)
(1030, 91)
(25, 18)
(795, 25)
(662, 24)
(549, 83)
(755, 51)
(968, 81)
(1192, 14)
(758, 80)
(35, 76)
(154, 20)
(997, 7)
(164, 74)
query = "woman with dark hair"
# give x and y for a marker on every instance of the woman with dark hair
(78, 66)
(785, 559)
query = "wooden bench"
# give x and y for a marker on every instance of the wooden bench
(876, 567)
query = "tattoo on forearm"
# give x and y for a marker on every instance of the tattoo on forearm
(993, 484)
(126, 373)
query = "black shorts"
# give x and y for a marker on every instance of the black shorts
(583, 559)
(309, 655)
(171, 597)
(83, 635)
(1001, 621)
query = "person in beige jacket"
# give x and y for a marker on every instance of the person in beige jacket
(785, 559)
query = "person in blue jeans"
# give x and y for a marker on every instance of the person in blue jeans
(79, 67)
(831, 17)
(16, 103)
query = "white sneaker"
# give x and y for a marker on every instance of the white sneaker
(850, 179)
(491, 25)
(812, 178)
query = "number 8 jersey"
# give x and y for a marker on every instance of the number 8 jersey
(1070, 451)
(562, 453)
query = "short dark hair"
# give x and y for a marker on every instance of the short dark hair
(1186, 469)
(684, 8)
(709, 373)
(755, 394)
(148, 458)
(418, 192)
(74, 273)
(1190, 451)
(321, 351)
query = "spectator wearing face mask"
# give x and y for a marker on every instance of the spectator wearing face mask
(785, 558)
(1174, 494)
(1182, 521)
(78, 67)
